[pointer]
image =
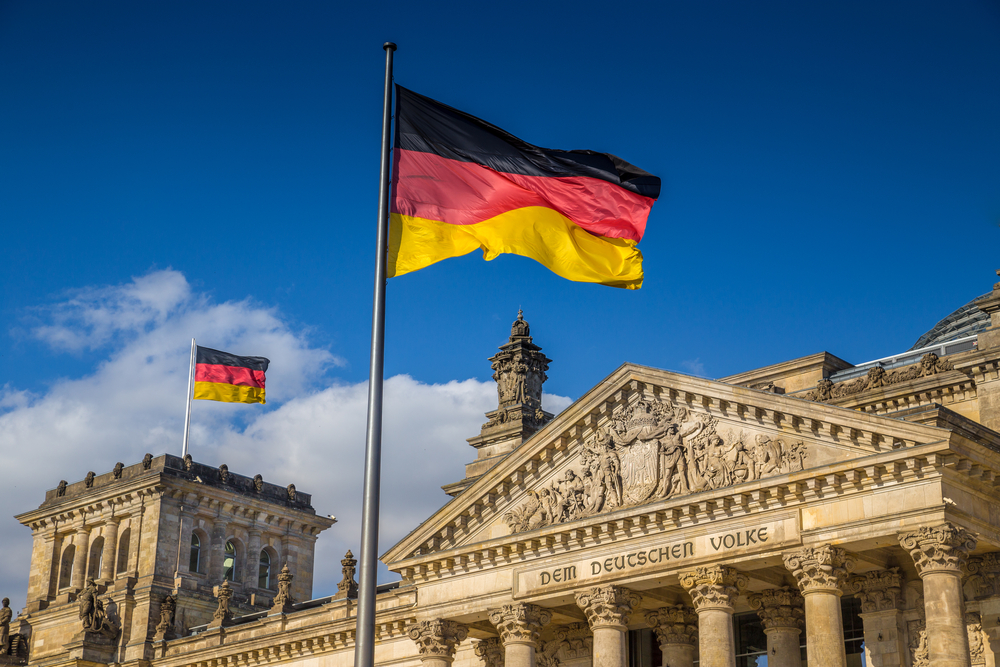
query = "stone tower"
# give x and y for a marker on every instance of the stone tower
(519, 370)
(125, 560)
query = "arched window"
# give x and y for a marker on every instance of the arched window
(229, 562)
(66, 567)
(264, 573)
(195, 563)
(95, 560)
(123, 542)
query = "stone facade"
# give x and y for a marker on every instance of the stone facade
(658, 508)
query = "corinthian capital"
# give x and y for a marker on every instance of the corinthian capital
(822, 568)
(607, 605)
(943, 548)
(490, 651)
(437, 638)
(674, 624)
(778, 608)
(519, 623)
(717, 586)
(878, 590)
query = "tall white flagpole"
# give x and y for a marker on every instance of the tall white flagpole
(364, 638)
(187, 411)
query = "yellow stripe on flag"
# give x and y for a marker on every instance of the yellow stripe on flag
(543, 234)
(228, 393)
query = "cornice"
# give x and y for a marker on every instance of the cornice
(119, 501)
(813, 362)
(822, 423)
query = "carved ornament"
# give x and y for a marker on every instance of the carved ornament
(919, 651)
(93, 616)
(188, 463)
(779, 608)
(258, 483)
(607, 606)
(877, 377)
(653, 450)
(674, 624)
(714, 587)
(437, 638)
(165, 627)
(223, 616)
(878, 590)
(283, 600)
(983, 579)
(347, 588)
(572, 642)
(941, 548)
(88, 481)
(519, 623)
(224, 473)
(822, 568)
(147, 461)
(117, 471)
(490, 651)
(61, 488)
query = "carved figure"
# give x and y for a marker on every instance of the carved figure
(651, 450)
(188, 462)
(258, 483)
(5, 615)
(224, 473)
(147, 461)
(283, 600)
(61, 488)
(291, 492)
(222, 613)
(348, 588)
(165, 628)
(92, 614)
(88, 481)
(117, 471)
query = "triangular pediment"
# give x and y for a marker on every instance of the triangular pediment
(644, 437)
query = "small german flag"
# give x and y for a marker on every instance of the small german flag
(220, 376)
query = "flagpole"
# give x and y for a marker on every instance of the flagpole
(187, 411)
(364, 637)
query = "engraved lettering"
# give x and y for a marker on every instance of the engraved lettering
(595, 567)
(739, 541)
(762, 534)
(641, 558)
(545, 578)
(751, 537)
(688, 546)
(607, 564)
(665, 551)
(651, 552)
(569, 573)
(622, 566)
(629, 560)
(714, 545)
(728, 541)
(676, 551)
(557, 576)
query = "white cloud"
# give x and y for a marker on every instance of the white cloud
(694, 367)
(311, 433)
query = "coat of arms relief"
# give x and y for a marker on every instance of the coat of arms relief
(649, 451)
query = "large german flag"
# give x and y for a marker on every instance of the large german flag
(460, 183)
(220, 376)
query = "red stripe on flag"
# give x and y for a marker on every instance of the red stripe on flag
(465, 193)
(237, 375)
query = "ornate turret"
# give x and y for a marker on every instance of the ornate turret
(519, 370)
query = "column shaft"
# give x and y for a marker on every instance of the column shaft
(217, 551)
(108, 555)
(252, 575)
(783, 647)
(610, 649)
(677, 655)
(716, 643)
(518, 654)
(81, 540)
(824, 630)
(947, 638)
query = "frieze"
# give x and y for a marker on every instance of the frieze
(653, 450)
(930, 364)
(655, 556)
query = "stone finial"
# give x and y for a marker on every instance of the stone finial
(283, 600)
(61, 488)
(88, 481)
(117, 471)
(878, 590)
(258, 483)
(223, 616)
(823, 568)
(519, 370)
(291, 492)
(519, 623)
(165, 627)
(188, 462)
(437, 638)
(943, 548)
(224, 473)
(674, 624)
(778, 608)
(607, 606)
(147, 461)
(490, 651)
(714, 587)
(347, 588)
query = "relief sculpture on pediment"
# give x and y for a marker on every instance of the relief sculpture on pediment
(652, 450)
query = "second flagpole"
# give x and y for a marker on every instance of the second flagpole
(364, 638)
(187, 410)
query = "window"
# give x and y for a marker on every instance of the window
(194, 565)
(264, 573)
(751, 642)
(854, 634)
(96, 558)
(66, 567)
(229, 562)
(123, 543)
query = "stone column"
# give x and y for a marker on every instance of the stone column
(490, 651)
(821, 573)
(780, 612)
(217, 551)
(939, 554)
(608, 609)
(714, 591)
(676, 628)
(81, 540)
(880, 595)
(436, 640)
(110, 535)
(519, 625)
(250, 578)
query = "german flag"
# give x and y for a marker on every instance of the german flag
(220, 376)
(460, 183)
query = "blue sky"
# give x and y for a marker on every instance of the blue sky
(831, 182)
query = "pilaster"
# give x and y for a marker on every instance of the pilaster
(880, 594)
(676, 629)
(780, 611)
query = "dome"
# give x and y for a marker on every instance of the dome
(966, 321)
